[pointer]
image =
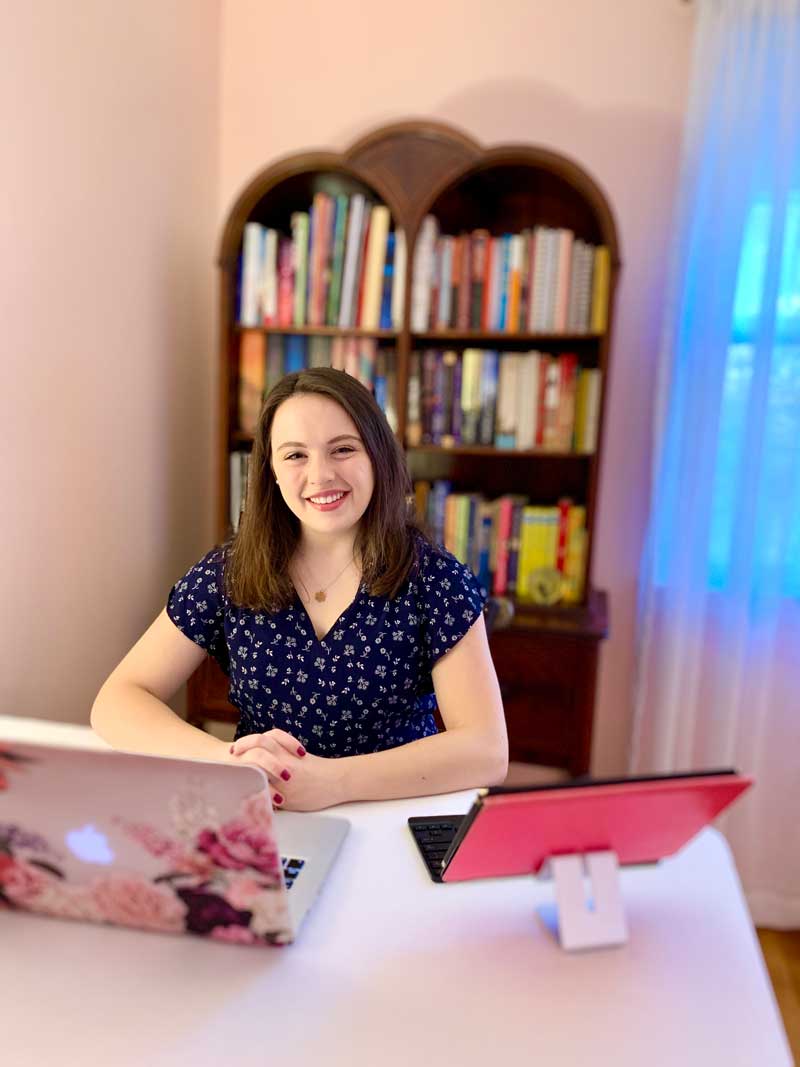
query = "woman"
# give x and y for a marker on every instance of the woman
(341, 626)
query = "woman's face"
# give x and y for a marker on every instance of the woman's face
(323, 470)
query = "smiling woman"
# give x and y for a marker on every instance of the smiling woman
(342, 628)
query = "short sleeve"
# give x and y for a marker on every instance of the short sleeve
(450, 598)
(196, 605)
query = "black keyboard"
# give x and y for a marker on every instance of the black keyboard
(434, 837)
(291, 869)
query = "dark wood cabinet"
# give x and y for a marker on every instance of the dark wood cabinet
(547, 659)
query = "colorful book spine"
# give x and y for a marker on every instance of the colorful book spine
(601, 280)
(374, 259)
(490, 361)
(295, 353)
(300, 226)
(355, 224)
(252, 252)
(337, 261)
(385, 322)
(252, 376)
(399, 279)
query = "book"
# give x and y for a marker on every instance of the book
(516, 248)
(479, 256)
(252, 252)
(505, 435)
(567, 391)
(385, 320)
(319, 351)
(358, 297)
(601, 280)
(399, 278)
(527, 389)
(319, 241)
(252, 376)
(574, 574)
(294, 353)
(471, 394)
(285, 282)
(337, 261)
(513, 545)
(445, 286)
(485, 522)
(550, 405)
(269, 280)
(563, 279)
(536, 302)
(423, 274)
(299, 225)
(355, 224)
(538, 551)
(450, 401)
(274, 344)
(374, 259)
(490, 360)
(414, 411)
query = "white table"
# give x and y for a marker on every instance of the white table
(391, 969)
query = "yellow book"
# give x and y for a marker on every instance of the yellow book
(374, 265)
(575, 562)
(461, 550)
(601, 279)
(579, 429)
(549, 537)
(527, 548)
(470, 394)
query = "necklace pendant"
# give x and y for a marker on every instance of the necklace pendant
(320, 596)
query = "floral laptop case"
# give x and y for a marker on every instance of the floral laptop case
(170, 845)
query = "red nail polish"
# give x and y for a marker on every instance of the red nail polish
(231, 750)
(301, 751)
(277, 798)
(285, 775)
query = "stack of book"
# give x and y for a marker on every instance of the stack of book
(508, 543)
(264, 358)
(509, 400)
(543, 280)
(341, 266)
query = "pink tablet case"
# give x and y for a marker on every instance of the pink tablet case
(641, 821)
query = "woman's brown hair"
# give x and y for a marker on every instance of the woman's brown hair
(257, 561)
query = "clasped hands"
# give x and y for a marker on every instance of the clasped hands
(299, 781)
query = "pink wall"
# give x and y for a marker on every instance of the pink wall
(108, 195)
(603, 83)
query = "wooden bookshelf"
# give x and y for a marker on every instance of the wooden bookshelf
(547, 659)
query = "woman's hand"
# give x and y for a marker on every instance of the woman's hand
(298, 780)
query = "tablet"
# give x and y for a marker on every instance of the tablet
(511, 831)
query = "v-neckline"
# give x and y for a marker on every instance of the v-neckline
(336, 623)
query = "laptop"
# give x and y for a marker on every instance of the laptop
(172, 845)
(515, 830)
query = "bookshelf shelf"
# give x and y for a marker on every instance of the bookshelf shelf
(320, 331)
(547, 658)
(503, 338)
(499, 453)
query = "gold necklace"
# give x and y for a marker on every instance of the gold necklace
(320, 594)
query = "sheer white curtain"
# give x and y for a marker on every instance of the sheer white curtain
(719, 655)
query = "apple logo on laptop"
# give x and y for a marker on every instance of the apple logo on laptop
(89, 845)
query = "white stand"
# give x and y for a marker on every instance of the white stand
(599, 920)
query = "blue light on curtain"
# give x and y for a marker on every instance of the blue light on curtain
(726, 506)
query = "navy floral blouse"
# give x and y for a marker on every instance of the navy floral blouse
(366, 686)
